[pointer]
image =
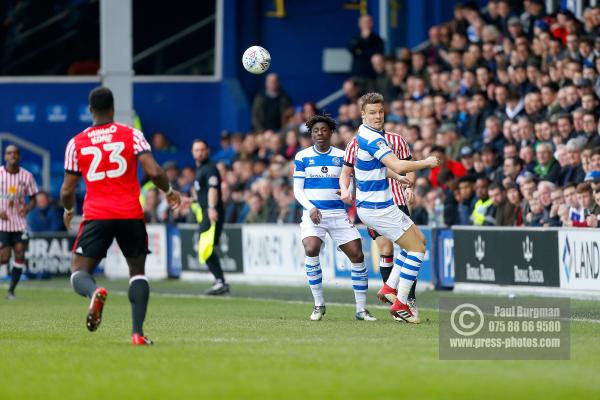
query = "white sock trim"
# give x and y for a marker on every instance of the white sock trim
(138, 277)
(312, 260)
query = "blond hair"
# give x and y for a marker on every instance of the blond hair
(369, 98)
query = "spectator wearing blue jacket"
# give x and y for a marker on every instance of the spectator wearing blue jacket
(227, 152)
(45, 217)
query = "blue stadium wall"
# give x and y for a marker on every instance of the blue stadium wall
(186, 110)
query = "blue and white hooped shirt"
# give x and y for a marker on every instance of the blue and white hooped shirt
(321, 173)
(372, 188)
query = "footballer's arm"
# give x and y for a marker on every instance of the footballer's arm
(404, 166)
(345, 180)
(158, 177)
(403, 179)
(67, 196)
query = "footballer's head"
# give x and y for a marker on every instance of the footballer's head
(321, 127)
(12, 156)
(372, 110)
(102, 102)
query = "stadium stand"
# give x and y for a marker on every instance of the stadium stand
(510, 94)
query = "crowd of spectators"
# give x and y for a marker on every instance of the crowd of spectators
(507, 98)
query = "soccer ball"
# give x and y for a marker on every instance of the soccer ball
(256, 60)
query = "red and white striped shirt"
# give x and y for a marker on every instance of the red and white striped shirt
(401, 150)
(13, 190)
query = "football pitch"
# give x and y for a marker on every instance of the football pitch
(259, 344)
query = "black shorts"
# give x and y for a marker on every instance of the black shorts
(205, 225)
(96, 236)
(373, 233)
(9, 239)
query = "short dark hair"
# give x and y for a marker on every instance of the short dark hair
(467, 178)
(12, 145)
(315, 119)
(551, 85)
(584, 188)
(565, 116)
(439, 149)
(101, 99)
(204, 142)
(494, 186)
(516, 161)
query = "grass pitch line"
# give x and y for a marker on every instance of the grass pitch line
(262, 299)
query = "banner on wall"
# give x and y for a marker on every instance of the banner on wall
(229, 248)
(277, 251)
(57, 112)
(444, 260)
(173, 252)
(506, 257)
(25, 112)
(115, 265)
(49, 254)
(579, 252)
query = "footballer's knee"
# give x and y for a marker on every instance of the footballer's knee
(311, 252)
(5, 255)
(422, 247)
(312, 248)
(353, 251)
(385, 246)
(356, 257)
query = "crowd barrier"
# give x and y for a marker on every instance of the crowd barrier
(481, 257)
(559, 258)
(257, 252)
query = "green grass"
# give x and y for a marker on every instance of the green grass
(259, 344)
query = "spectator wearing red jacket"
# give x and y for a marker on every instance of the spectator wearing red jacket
(457, 169)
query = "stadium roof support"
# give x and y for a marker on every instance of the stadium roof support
(116, 55)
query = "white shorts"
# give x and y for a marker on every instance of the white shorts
(337, 225)
(388, 222)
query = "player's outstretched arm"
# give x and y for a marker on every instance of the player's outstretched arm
(404, 166)
(159, 178)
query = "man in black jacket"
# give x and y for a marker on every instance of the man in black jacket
(271, 106)
(363, 47)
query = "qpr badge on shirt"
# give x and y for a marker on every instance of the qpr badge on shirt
(336, 161)
(382, 145)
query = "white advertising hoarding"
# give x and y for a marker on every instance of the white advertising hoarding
(579, 259)
(277, 251)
